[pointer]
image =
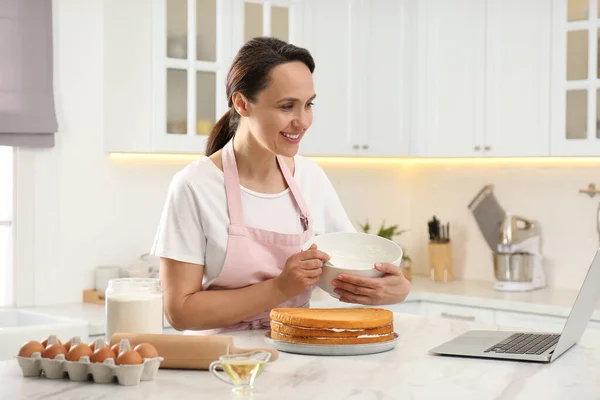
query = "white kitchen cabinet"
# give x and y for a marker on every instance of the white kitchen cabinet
(537, 322)
(325, 23)
(458, 312)
(575, 79)
(483, 82)
(406, 307)
(593, 325)
(389, 41)
(166, 63)
(281, 19)
(361, 77)
(450, 80)
(534, 322)
(427, 78)
(128, 72)
(517, 90)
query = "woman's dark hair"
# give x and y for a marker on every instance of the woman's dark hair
(249, 74)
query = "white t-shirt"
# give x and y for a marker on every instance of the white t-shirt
(195, 222)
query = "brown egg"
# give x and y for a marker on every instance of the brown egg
(31, 347)
(93, 345)
(129, 357)
(78, 351)
(68, 344)
(115, 348)
(146, 350)
(45, 341)
(102, 354)
(53, 350)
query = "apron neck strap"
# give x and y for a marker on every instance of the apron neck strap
(296, 194)
(234, 194)
(232, 185)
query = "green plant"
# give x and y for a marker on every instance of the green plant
(388, 232)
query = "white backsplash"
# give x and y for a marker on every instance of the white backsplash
(548, 194)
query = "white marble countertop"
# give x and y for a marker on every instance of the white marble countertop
(407, 371)
(547, 301)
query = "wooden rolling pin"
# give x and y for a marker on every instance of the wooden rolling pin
(188, 351)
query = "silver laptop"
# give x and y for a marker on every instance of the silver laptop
(531, 346)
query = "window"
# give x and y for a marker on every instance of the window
(6, 226)
(27, 114)
(27, 111)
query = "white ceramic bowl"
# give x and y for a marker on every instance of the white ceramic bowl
(353, 253)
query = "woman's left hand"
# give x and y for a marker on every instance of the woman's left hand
(391, 288)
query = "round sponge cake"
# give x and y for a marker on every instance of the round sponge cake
(332, 325)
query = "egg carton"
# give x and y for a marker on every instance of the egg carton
(84, 369)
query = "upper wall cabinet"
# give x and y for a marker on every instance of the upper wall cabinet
(389, 43)
(450, 79)
(483, 80)
(431, 78)
(325, 23)
(576, 78)
(190, 46)
(360, 49)
(281, 19)
(166, 63)
(517, 78)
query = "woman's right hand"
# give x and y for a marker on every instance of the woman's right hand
(302, 270)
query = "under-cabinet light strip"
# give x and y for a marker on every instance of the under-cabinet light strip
(385, 160)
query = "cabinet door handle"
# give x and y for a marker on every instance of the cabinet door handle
(455, 316)
(477, 148)
(355, 147)
(365, 146)
(487, 148)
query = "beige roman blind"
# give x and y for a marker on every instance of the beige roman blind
(27, 113)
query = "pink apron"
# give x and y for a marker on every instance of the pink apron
(255, 255)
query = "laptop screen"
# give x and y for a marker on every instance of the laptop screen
(582, 308)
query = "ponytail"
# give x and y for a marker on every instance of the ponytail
(222, 132)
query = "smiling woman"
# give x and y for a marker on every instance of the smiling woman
(232, 231)
(6, 218)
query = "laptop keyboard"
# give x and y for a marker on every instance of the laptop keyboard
(525, 343)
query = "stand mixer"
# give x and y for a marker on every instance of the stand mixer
(515, 243)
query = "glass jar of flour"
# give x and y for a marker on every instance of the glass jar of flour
(133, 305)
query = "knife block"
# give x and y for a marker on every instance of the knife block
(440, 261)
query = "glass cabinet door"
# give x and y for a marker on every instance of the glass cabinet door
(176, 49)
(576, 117)
(190, 70)
(253, 20)
(268, 18)
(280, 23)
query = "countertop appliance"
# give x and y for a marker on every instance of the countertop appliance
(515, 243)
